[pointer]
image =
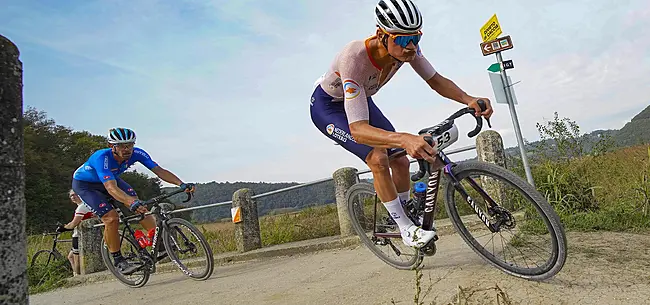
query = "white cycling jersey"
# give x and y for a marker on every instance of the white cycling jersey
(84, 211)
(354, 76)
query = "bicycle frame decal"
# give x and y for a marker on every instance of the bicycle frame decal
(430, 200)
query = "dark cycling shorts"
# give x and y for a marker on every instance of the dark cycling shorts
(329, 117)
(75, 245)
(95, 195)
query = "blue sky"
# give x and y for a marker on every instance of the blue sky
(219, 90)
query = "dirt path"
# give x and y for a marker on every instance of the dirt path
(603, 268)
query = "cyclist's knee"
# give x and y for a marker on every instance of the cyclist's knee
(400, 163)
(377, 160)
(111, 218)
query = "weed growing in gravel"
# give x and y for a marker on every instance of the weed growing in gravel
(464, 295)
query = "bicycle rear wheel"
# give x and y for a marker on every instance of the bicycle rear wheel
(377, 230)
(130, 251)
(527, 220)
(179, 242)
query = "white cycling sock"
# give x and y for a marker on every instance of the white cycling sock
(404, 196)
(396, 211)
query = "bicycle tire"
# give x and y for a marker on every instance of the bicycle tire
(546, 211)
(106, 256)
(55, 255)
(364, 187)
(167, 241)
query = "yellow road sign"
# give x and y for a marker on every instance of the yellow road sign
(491, 29)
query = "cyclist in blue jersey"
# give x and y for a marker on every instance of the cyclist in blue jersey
(98, 178)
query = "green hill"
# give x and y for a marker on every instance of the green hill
(214, 192)
(635, 132)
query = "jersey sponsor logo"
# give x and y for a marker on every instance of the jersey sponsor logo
(140, 152)
(107, 177)
(330, 128)
(101, 205)
(335, 84)
(339, 133)
(351, 89)
(106, 162)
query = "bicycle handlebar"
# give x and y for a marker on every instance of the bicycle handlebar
(424, 165)
(156, 200)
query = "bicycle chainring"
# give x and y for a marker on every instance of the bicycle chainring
(503, 218)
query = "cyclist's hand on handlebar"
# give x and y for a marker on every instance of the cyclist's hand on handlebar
(188, 187)
(61, 229)
(418, 148)
(478, 112)
(137, 206)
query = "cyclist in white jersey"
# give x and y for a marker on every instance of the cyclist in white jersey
(343, 110)
(82, 212)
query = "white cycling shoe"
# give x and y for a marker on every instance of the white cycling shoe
(414, 236)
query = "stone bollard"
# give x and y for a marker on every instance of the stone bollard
(247, 232)
(489, 148)
(90, 246)
(344, 178)
(13, 240)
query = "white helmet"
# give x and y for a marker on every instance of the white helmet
(121, 135)
(398, 16)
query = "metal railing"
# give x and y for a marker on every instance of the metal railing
(286, 189)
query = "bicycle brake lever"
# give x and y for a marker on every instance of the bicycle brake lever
(189, 197)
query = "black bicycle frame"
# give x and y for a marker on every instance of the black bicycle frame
(431, 198)
(153, 256)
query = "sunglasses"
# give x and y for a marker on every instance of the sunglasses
(404, 39)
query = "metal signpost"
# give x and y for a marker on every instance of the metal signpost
(493, 44)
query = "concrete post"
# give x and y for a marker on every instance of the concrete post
(247, 232)
(13, 240)
(489, 148)
(344, 178)
(90, 246)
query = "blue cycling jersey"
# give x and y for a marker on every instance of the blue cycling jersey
(102, 166)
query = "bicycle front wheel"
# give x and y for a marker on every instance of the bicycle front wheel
(377, 230)
(528, 230)
(188, 249)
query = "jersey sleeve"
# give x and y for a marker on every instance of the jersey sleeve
(354, 95)
(422, 66)
(144, 158)
(101, 165)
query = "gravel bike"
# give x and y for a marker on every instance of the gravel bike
(175, 240)
(46, 256)
(501, 203)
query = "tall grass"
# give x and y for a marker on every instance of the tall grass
(598, 189)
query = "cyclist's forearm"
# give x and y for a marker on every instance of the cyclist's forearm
(363, 133)
(120, 195)
(447, 88)
(75, 221)
(167, 176)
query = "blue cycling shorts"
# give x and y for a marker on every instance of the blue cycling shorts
(95, 195)
(329, 117)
